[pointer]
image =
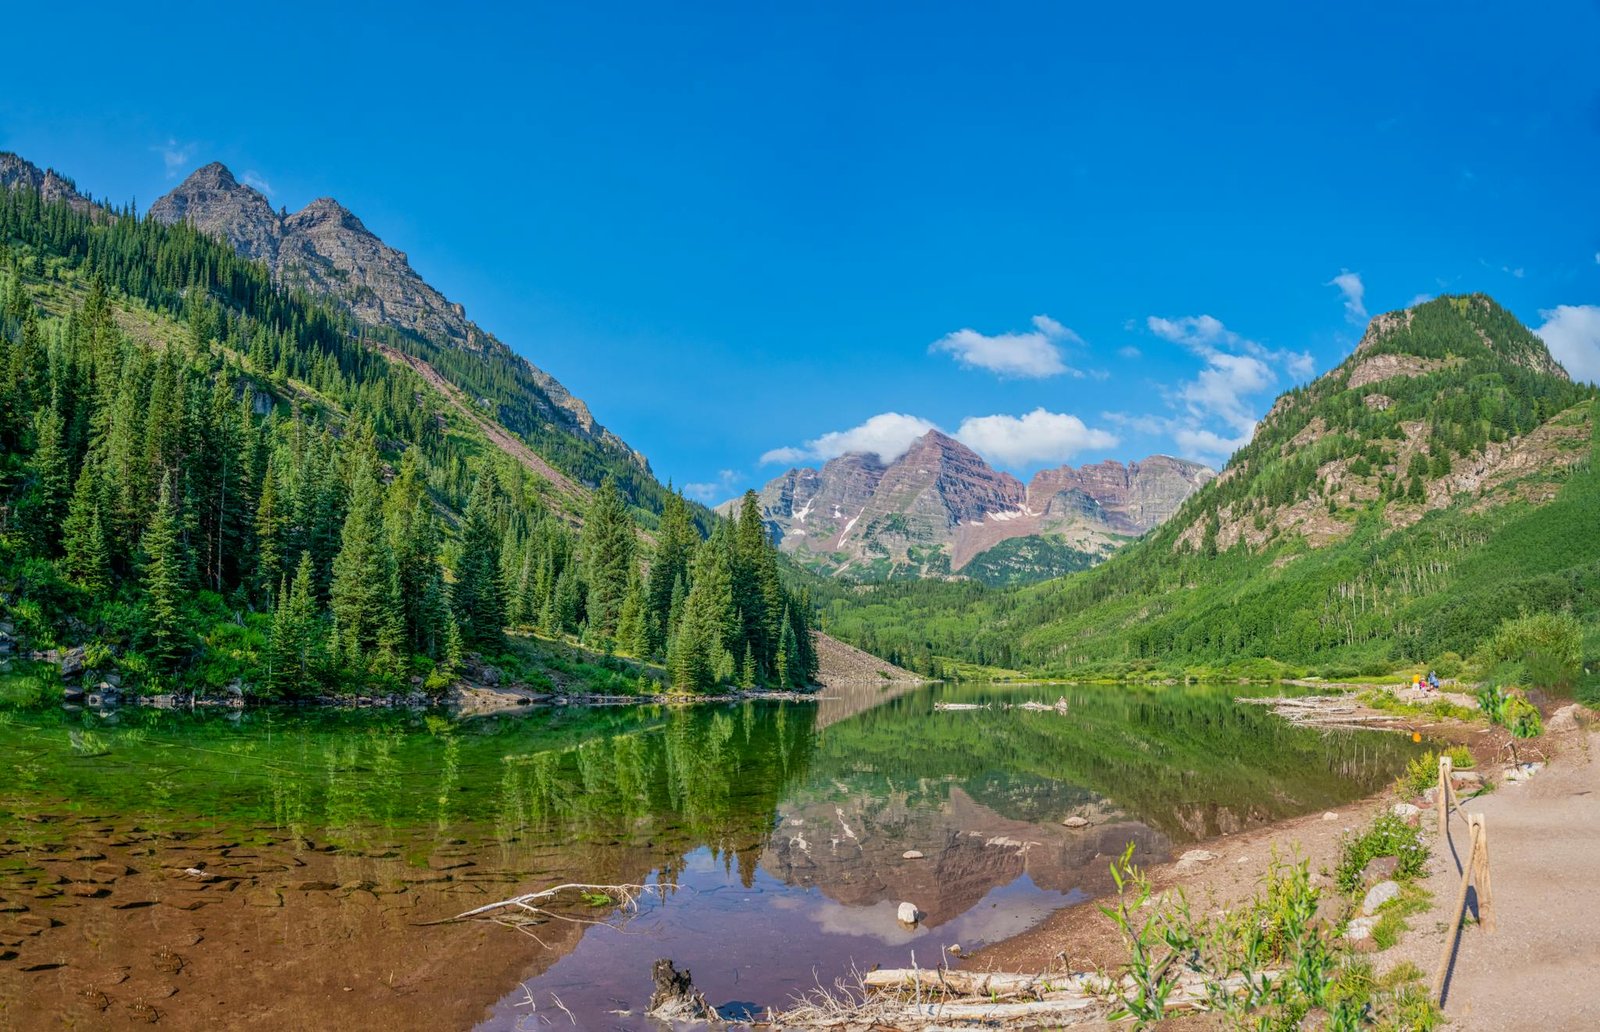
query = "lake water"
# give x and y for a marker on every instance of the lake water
(278, 869)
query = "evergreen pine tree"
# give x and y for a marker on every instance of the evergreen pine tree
(83, 535)
(297, 639)
(270, 530)
(478, 595)
(414, 540)
(675, 541)
(165, 583)
(49, 485)
(608, 546)
(631, 634)
(364, 595)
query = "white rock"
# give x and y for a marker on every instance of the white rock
(1405, 811)
(1360, 928)
(1565, 719)
(1195, 858)
(1330, 816)
(1076, 822)
(1378, 895)
(911, 854)
(909, 914)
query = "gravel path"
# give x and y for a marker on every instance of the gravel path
(1537, 970)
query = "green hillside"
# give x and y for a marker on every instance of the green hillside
(209, 481)
(1394, 511)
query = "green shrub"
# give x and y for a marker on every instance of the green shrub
(1544, 650)
(1388, 836)
(1448, 665)
(1510, 708)
(1421, 774)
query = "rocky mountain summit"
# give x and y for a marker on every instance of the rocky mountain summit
(327, 250)
(51, 185)
(939, 506)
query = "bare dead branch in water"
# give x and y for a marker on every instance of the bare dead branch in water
(534, 908)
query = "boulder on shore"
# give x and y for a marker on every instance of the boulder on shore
(908, 914)
(1378, 895)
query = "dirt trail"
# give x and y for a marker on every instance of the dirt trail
(499, 435)
(1536, 970)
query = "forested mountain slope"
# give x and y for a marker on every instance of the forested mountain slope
(326, 252)
(208, 480)
(1440, 479)
(325, 249)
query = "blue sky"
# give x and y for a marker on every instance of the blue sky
(753, 231)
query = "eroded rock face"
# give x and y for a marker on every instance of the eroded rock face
(935, 508)
(16, 172)
(1134, 498)
(326, 249)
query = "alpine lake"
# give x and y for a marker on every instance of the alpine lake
(283, 868)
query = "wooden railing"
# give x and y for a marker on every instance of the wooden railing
(1474, 872)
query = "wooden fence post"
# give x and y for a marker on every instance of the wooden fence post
(1444, 794)
(1481, 872)
(1475, 871)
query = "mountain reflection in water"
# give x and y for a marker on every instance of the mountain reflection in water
(776, 834)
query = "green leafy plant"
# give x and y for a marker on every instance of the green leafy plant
(1157, 936)
(1387, 836)
(1510, 708)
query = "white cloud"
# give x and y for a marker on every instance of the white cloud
(255, 181)
(1572, 333)
(1350, 285)
(886, 435)
(1207, 445)
(1038, 436)
(1218, 406)
(176, 156)
(1597, 257)
(1032, 355)
(1008, 441)
(1129, 351)
(714, 491)
(1420, 299)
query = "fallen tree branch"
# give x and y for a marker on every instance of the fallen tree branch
(532, 907)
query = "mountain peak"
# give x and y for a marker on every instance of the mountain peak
(215, 175)
(326, 249)
(939, 445)
(1452, 328)
(17, 171)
